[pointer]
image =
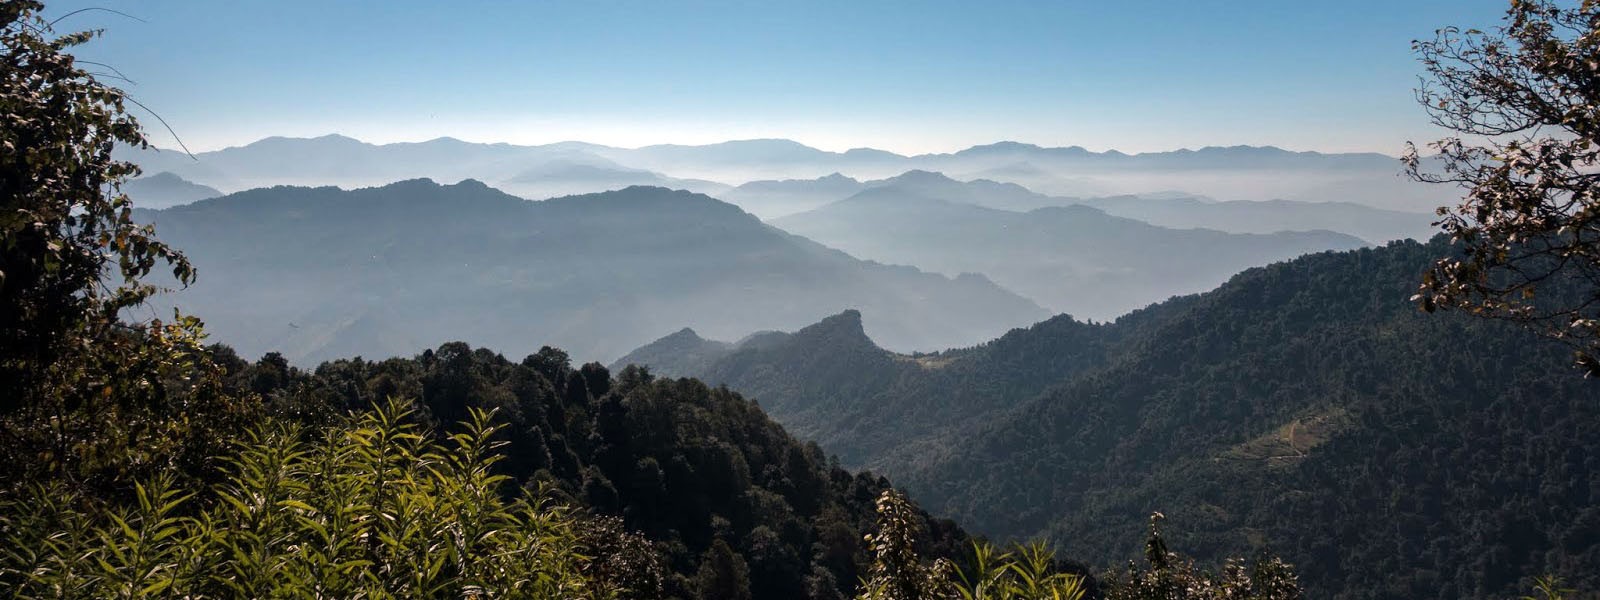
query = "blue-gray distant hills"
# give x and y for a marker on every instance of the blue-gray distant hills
(320, 273)
(1231, 173)
(535, 172)
(773, 199)
(164, 189)
(1269, 216)
(1070, 259)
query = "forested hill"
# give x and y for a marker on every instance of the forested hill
(1306, 408)
(829, 382)
(697, 471)
(319, 273)
(677, 355)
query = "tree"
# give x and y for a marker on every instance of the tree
(1027, 572)
(72, 262)
(1525, 102)
(1174, 577)
(723, 575)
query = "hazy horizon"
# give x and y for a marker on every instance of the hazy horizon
(795, 139)
(911, 79)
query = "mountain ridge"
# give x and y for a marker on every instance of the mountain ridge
(297, 269)
(1072, 259)
(1305, 409)
(791, 143)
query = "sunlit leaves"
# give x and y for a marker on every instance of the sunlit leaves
(81, 378)
(1526, 102)
(1025, 572)
(1169, 576)
(372, 508)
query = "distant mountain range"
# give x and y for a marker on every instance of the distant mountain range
(770, 199)
(1304, 409)
(1269, 216)
(780, 198)
(567, 177)
(1073, 259)
(318, 273)
(1234, 173)
(775, 199)
(164, 190)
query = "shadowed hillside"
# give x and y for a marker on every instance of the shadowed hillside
(1306, 409)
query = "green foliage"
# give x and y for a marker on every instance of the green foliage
(85, 393)
(684, 465)
(1548, 587)
(1173, 577)
(1026, 572)
(1306, 409)
(897, 572)
(723, 575)
(370, 508)
(1523, 102)
(830, 383)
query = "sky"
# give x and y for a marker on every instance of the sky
(910, 77)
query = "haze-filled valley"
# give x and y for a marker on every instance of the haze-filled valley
(1071, 259)
(332, 273)
(977, 257)
(823, 301)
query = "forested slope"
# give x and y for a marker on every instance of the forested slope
(1306, 408)
(686, 465)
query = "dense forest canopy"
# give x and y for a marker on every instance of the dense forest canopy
(1279, 412)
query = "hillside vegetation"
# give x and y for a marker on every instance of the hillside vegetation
(1305, 408)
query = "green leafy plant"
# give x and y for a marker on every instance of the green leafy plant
(1025, 572)
(1548, 587)
(370, 508)
(1170, 576)
(88, 393)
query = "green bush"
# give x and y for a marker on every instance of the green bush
(368, 508)
(1170, 576)
(1025, 572)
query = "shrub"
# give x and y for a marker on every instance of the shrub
(368, 508)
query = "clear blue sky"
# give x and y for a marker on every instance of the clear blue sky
(903, 76)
